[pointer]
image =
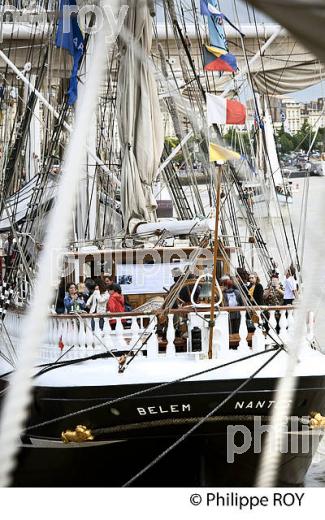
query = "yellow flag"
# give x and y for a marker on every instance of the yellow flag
(216, 51)
(219, 153)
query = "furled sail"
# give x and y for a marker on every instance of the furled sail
(140, 122)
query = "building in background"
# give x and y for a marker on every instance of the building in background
(297, 113)
(314, 113)
(292, 111)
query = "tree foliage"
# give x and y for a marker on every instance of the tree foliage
(239, 141)
(301, 140)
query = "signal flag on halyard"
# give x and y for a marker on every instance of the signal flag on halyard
(73, 42)
(61, 344)
(215, 23)
(216, 51)
(225, 111)
(209, 7)
(226, 62)
(220, 154)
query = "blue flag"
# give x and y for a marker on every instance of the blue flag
(209, 7)
(258, 122)
(217, 31)
(216, 20)
(73, 41)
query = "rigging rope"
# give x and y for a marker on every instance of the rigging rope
(200, 422)
(140, 392)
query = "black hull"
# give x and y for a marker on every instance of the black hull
(127, 439)
(198, 461)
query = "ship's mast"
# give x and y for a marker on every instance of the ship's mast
(87, 198)
(33, 145)
(215, 259)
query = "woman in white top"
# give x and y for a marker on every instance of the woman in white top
(97, 302)
(290, 288)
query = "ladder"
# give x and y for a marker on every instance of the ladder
(177, 193)
(36, 202)
(20, 140)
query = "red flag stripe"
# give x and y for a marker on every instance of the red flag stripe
(236, 113)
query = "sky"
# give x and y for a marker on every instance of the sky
(228, 7)
(311, 93)
(245, 14)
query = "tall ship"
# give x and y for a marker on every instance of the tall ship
(138, 150)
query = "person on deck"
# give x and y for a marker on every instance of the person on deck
(115, 303)
(90, 286)
(97, 302)
(273, 294)
(255, 290)
(59, 301)
(109, 281)
(232, 298)
(72, 302)
(290, 288)
(223, 280)
(98, 299)
(83, 291)
(184, 295)
(242, 281)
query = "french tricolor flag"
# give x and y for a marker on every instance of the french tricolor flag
(224, 111)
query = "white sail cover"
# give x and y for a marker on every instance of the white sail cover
(288, 79)
(303, 18)
(140, 122)
(285, 66)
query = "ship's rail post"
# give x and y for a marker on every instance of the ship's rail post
(258, 339)
(152, 344)
(83, 335)
(310, 333)
(199, 321)
(170, 349)
(272, 334)
(243, 333)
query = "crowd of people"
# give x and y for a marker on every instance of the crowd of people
(104, 296)
(246, 288)
(100, 296)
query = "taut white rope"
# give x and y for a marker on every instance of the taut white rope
(35, 323)
(286, 388)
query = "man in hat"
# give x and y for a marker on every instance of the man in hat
(184, 295)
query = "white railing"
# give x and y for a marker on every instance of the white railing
(82, 336)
